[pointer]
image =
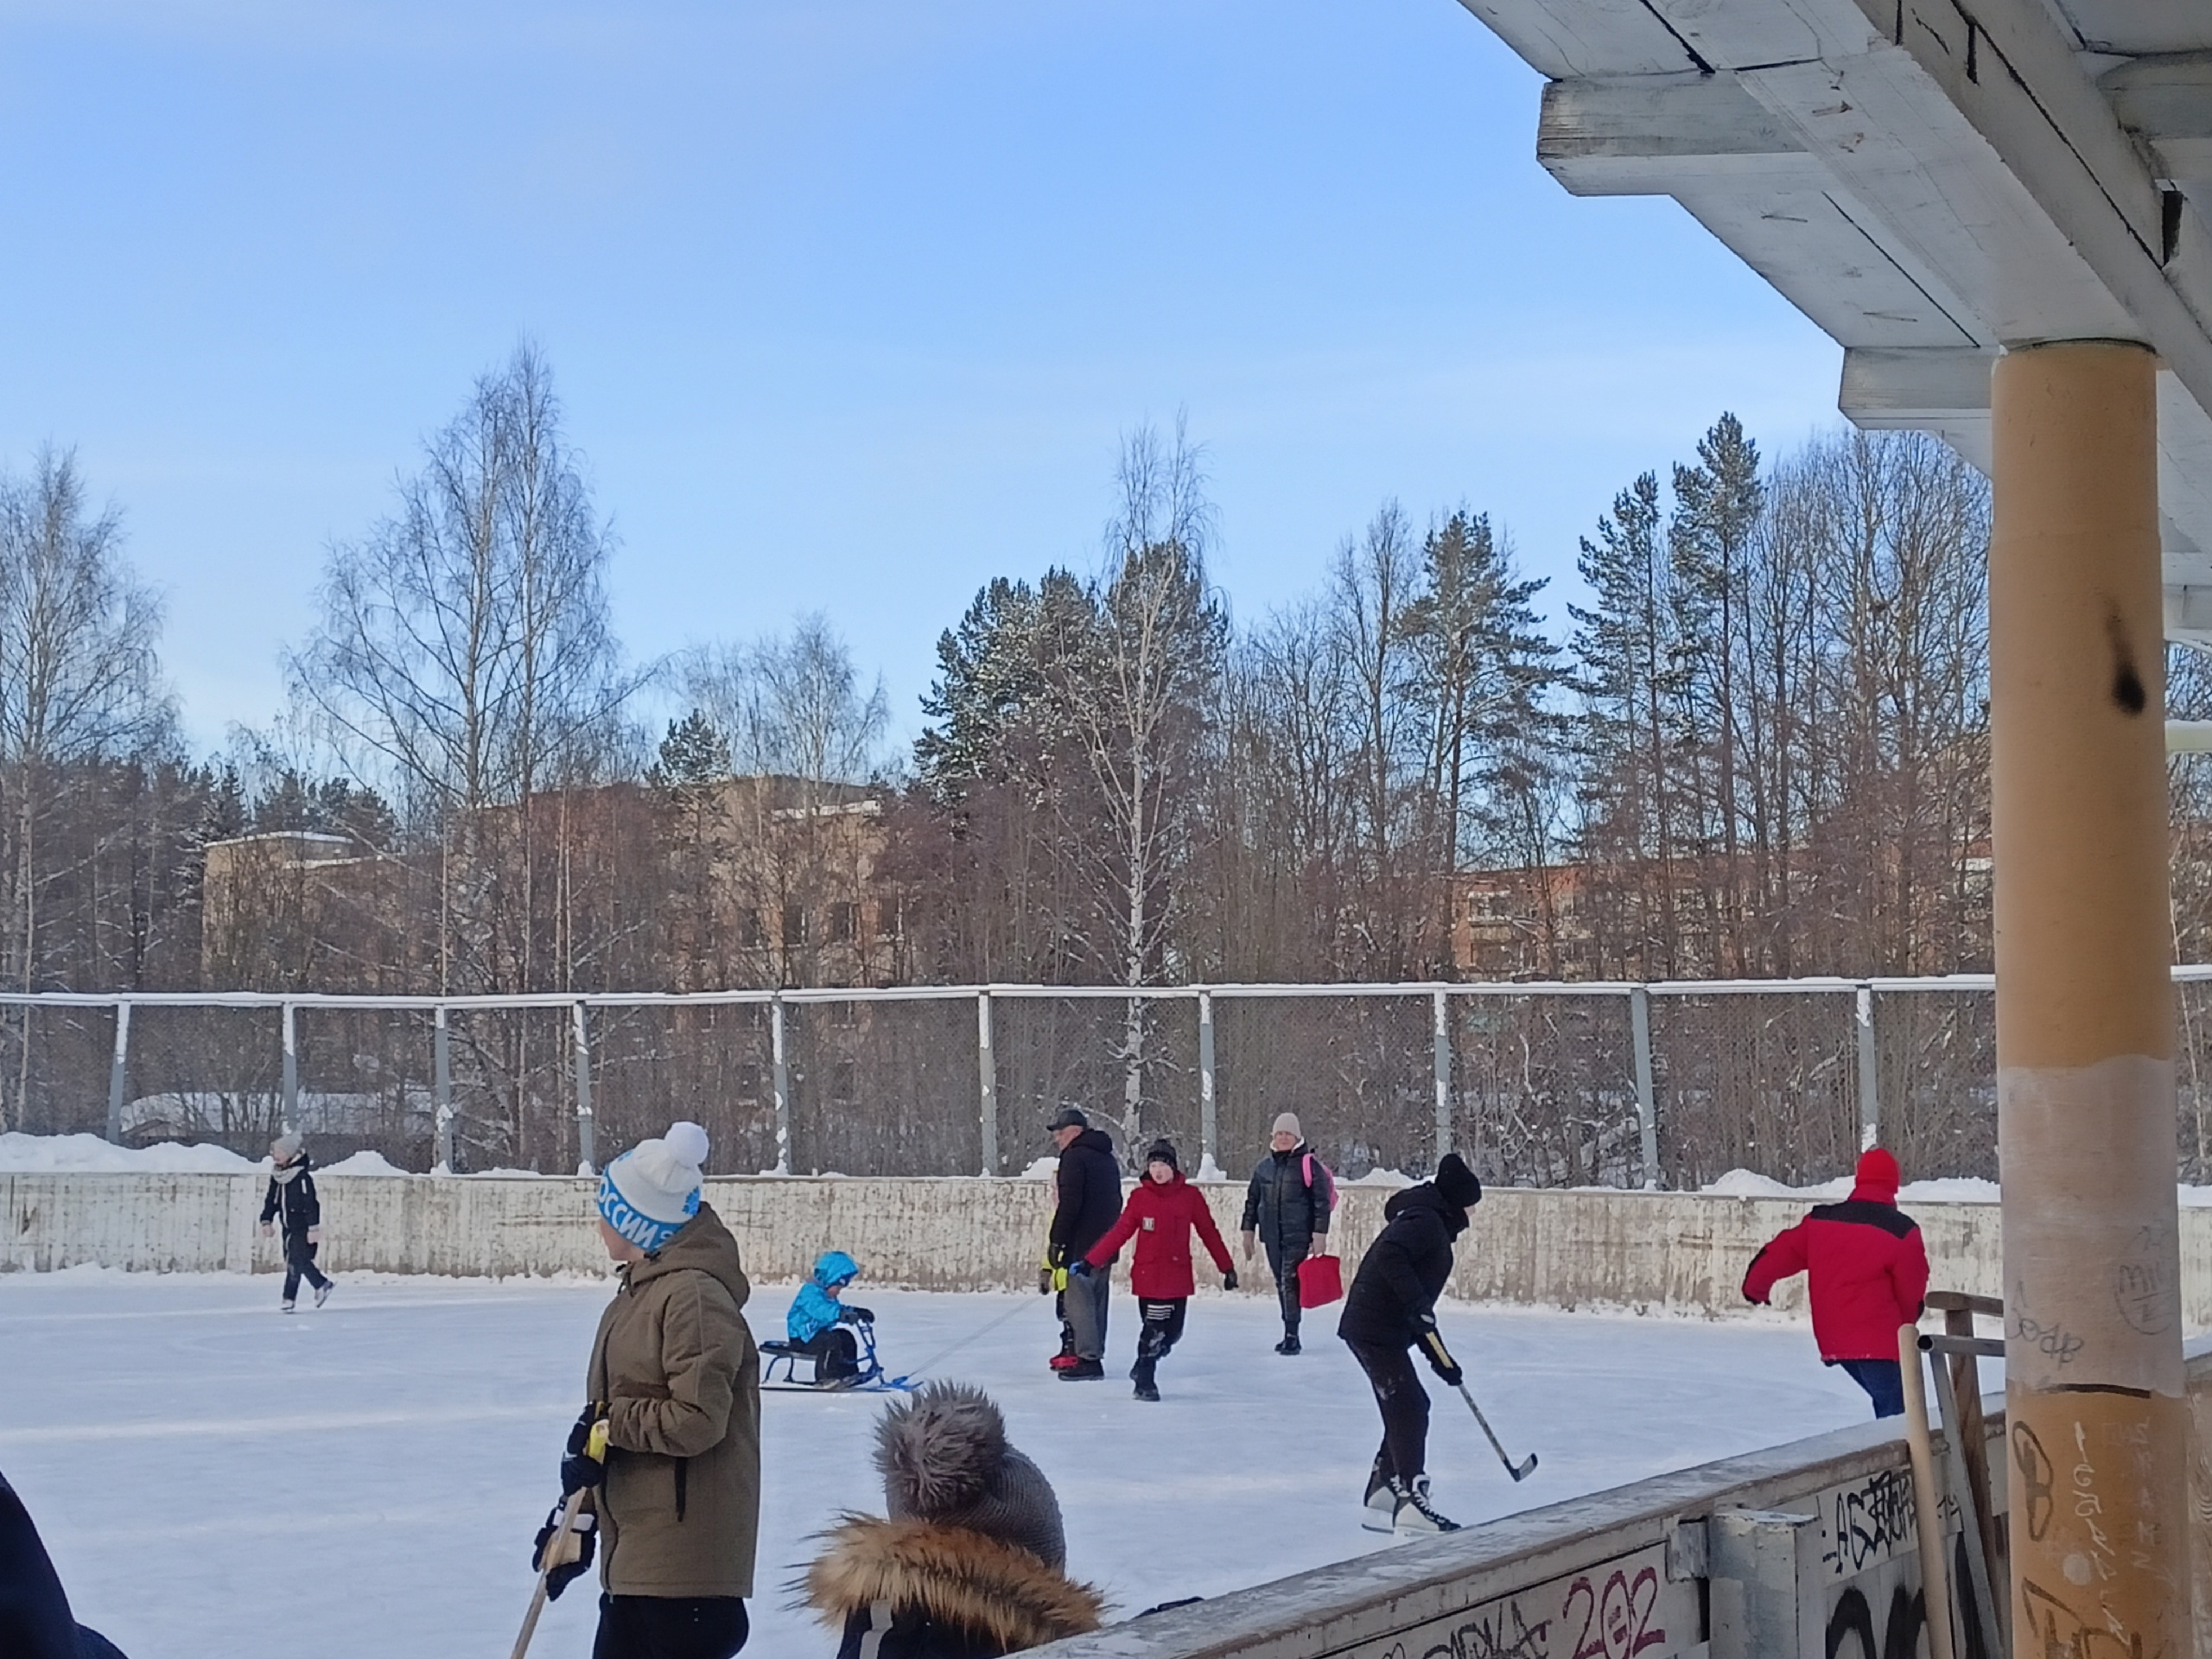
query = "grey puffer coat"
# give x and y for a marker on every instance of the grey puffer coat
(1287, 1213)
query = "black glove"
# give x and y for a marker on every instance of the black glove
(857, 1316)
(1228, 1280)
(583, 1541)
(585, 1463)
(1080, 1267)
(1433, 1350)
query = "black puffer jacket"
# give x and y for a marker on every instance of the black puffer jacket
(293, 1197)
(1405, 1269)
(36, 1621)
(1089, 1193)
(1281, 1207)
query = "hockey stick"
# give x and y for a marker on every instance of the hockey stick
(568, 1514)
(1521, 1471)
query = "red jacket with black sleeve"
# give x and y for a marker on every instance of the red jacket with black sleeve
(1161, 1218)
(1867, 1268)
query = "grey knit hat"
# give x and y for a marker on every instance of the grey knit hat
(945, 1459)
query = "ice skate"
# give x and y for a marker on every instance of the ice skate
(1083, 1370)
(289, 1308)
(1414, 1514)
(1379, 1511)
(1289, 1344)
(322, 1291)
(1142, 1374)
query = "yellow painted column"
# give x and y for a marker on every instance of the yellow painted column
(2098, 1422)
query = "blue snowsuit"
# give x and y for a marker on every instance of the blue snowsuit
(814, 1309)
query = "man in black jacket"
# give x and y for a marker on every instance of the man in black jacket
(1288, 1207)
(36, 1621)
(1090, 1190)
(1391, 1306)
(292, 1202)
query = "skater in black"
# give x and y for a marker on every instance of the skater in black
(1391, 1307)
(292, 1203)
(1288, 1207)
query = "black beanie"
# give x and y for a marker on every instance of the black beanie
(1458, 1182)
(1162, 1151)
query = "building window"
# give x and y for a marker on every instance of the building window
(749, 930)
(796, 932)
(841, 923)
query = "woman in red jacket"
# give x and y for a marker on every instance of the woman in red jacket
(1159, 1215)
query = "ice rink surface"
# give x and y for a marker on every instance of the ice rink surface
(217, 1481)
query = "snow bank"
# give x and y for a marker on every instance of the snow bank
(364, 1163)
(1389, 1177)
(1950, 1189)
(40, 1153)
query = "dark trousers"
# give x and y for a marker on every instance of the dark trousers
(669, 1627)
(1161, 1329)
(299, 1263)
(1883, 1381)
(837, 1355)
(1404, 1404)
(1284, 1265)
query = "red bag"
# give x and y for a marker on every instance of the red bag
(1320, 1281)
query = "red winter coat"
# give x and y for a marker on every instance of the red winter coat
(1159, 1218)
(1868, 1273)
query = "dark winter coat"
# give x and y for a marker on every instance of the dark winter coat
(942, 1593)
(1285, 1209)
(35, 1618)
(1405, 1269)
(1090, 1187)
(679, 1512)
(291, 1194)
(1868, 1274)
(1160, 1219)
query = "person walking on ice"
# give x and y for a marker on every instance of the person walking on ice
(292, 1203)
(1866, 1270)
(1390, 1307)
(1088, 1188)
(1161, 1216)
(674, 1380)
(1287, 1206)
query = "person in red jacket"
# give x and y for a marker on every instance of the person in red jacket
(1868, 1271)
(1159, 1215)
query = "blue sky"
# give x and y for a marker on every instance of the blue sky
(847, 301)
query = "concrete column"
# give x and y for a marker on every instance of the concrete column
(2099, 1425)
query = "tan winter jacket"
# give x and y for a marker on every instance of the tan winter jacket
(680, 1512)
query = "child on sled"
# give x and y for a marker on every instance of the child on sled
(816, 1321)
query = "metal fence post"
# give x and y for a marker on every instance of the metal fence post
(290, 1103)
(1208, 1123)
(780, 1081)
(1869, 1094)
(1443, 1011)
(442, 1089)
(987, 1082)
(1646, 1096)
(116, 1070)
(585, 1162)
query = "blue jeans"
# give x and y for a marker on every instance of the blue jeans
(1883, 1381)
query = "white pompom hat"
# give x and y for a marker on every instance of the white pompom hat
(650, 1191)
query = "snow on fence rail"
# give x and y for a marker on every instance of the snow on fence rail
(1667, 1084)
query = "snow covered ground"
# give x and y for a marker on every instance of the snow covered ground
(217, 1481)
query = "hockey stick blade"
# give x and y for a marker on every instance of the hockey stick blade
(1521, 1471)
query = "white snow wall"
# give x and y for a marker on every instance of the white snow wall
(1683, 1252)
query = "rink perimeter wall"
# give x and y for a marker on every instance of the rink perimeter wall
(1637, 1251)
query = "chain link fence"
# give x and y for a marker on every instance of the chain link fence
(1670, 1085)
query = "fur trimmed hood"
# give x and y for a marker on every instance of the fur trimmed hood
(953, 1575)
